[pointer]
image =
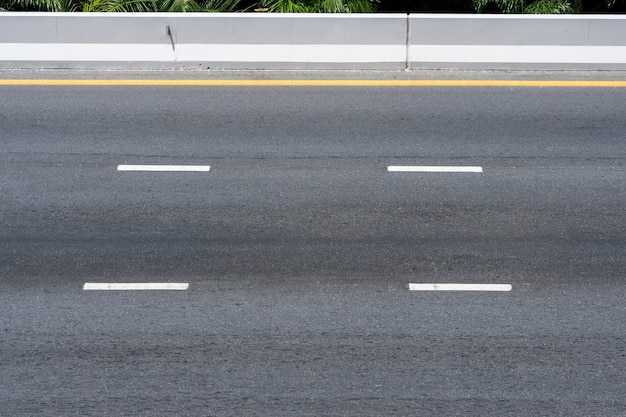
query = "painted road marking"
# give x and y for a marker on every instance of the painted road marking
(112, 286)
(396, 168)
(460, 287)
(165, 168)
(318, 83)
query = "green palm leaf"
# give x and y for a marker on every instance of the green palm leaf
(48, 5)
(285, 6)
(348, 6)
(178, 6)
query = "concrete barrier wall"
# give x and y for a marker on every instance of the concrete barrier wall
(309, 41)
(236, 40)
(518, 41)
(61, 40)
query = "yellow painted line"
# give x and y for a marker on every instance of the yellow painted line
(316, 83)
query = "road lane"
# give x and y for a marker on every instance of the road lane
(315, 350)
(530, 225)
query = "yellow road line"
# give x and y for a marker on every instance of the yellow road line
(316, 83)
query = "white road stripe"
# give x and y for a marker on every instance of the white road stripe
(460, 287)
(103, 286)
(165, 168)
(407, 168)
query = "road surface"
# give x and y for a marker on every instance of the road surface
(297, 244)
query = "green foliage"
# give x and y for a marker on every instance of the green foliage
(322, 6)
(47, 5)
(216, 6)
(552, 7)
(534, 7)
(180, 6)
(126, 5)
(284, 6)
(319, 6)
(112, 6)
(505, 6)
(348, 6)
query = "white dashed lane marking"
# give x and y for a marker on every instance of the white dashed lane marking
(460, 287)
(145, 286)
(451, 169)
(165, 168)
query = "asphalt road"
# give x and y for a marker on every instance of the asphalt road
(298, 247)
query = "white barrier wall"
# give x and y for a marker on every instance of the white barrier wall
(68, 39)
(518, 41)
(310, 41)
(228, 40)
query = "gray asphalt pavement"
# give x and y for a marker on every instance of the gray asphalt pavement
(298, 246)
(337, 351)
